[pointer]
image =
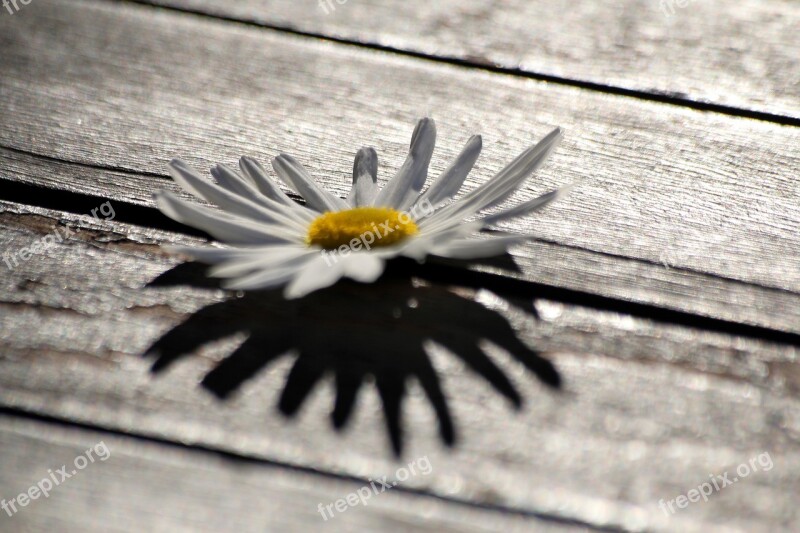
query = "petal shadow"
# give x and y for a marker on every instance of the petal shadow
(355, 333)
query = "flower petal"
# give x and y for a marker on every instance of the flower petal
(293, 173)
(365, 178)
(363, 266)
(222, 226)
(276, 258)
(501, 186)
(325, 270)
(266, 278)
(477, 248)
(450, 181)
(419, 247)
(188, 178)
(231, 180)
(253, 170)
(213, 255)
(318, 273)
(404, 188)
(528, 207)
(206, 254)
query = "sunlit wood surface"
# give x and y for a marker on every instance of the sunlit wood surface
(664, 292)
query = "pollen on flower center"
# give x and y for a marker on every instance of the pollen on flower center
(372, 226)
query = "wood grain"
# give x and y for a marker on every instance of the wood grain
(146, 486)
(738, 54)
(96, 97)
(708, 195)
(541, 262)
(647, 412)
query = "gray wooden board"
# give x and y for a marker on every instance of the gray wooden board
(703, 193)
(540, 261)
(136, 485)
(647, 410)
(737, 53)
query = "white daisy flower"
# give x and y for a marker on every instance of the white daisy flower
(274, 241)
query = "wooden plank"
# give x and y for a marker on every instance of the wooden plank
(542, 262)
(709, 195)
(137, 485)
(648, 410)
(647, 413)
(643, 46)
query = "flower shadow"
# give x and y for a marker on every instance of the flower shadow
(355, 333)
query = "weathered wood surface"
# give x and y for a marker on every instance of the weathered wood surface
(744, 55)
(158, 487)
(647, 411)
(610, 277)
(95, 97)
(705, 193)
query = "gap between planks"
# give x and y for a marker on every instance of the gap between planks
(261, 20)
(206, 489)
(143, 214)
(737, 399)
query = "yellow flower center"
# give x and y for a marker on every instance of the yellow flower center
(370, 226)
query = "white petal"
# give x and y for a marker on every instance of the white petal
(293, 173)
(365, 267)
(450, 181)
(267, 278)
(256, 173)
(188, 178)
(477, 248)
(508, 179)
(502, 185)
(293, 214)
(213, 255)
(234, 182)
(222, 226)
(365, 178)
(317, 273)
(420, 246)
(528, 207)
(277, 258)
(404, 188)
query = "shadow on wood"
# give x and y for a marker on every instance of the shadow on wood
(354, 332)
